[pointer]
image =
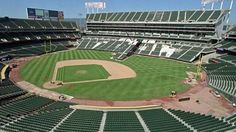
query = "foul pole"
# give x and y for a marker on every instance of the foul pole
(45, 46)
(199, 66)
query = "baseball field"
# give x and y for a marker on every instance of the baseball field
(154, 77)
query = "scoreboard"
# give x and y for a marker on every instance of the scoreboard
(34, 13)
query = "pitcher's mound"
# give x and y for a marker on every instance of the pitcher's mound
(81, 72)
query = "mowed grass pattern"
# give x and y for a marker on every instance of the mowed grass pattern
(82, 73)
(156, 77)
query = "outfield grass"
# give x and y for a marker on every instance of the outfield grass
(155, 77)
(81, 73)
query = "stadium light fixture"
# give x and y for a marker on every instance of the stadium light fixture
(95, 6)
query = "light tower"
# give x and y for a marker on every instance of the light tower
(95, 6)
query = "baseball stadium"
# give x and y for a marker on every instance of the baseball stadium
(116, 67)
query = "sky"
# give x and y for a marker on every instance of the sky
(73, 8)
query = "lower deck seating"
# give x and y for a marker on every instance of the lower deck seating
(227, 44)
(125, 121)
(181, 51)
(202, 122)
(154, 120)
(184, 51)
(42, 122)
(231, 119)
(160, 120)
(229, 58)
(8, 89)
(121, 46)
(191, 54)
(81, 121)
(24, 106)
(222, 75)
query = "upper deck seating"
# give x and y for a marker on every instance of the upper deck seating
(158, 16)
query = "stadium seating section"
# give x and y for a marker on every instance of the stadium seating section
(8, 89)
(230, 40)
(159, 16)
(231, 119)
(181, 35)
(122, 46)
(227, 44)
(184, 51)
(202, 22)
(15, 30)
(25, 37)
(203, 123)
(33, 49)
(232, 33)
(34, 113)
(221, 70)
(222, 75)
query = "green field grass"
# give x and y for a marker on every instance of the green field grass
(155, 77)
(81, 73)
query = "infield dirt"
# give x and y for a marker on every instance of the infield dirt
(116, 70)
